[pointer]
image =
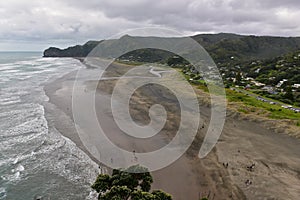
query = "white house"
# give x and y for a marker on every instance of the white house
(281, 83)
(296, 85)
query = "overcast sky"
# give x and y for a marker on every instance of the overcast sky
(37, 24)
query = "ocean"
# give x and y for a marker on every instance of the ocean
(35, 159)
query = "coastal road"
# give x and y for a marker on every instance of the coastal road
(260, 98)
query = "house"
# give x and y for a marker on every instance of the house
(281, 83)
(297, 86)
(249, 79)
(256, 83)
(269, 89)
(247, 87)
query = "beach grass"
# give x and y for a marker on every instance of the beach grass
(248, 104)
(274, 111)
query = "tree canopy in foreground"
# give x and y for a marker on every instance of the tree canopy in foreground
(133, 183)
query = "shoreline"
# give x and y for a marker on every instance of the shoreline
(58, 110)
(189, 176)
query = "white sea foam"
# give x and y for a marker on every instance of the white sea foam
(23, 78)
(2, 193)
(11, 71)
(93, 195)
(13, 177)
(4, 67)
(10, 102)
(11, 98)
(28, 146)
(21, 114)
(36, 125)
(20, 168)
(4, 79)
(19, 158)
(12, 93)
(16, 160)
(16, 176)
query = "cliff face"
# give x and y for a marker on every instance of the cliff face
(53, 52)
(75, 51)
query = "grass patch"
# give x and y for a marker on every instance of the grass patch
(242, 110)
(251, 104)
(275, 111)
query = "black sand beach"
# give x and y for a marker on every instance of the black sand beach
(275, 158)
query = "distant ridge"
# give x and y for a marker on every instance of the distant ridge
(222, 47)
(267, 60)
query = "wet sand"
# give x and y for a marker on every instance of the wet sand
(276, 174)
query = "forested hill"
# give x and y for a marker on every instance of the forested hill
(272, 71)
(267, 60)
(222, 47)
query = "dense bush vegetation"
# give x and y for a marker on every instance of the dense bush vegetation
(133, 183)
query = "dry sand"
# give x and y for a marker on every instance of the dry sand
(276, 174)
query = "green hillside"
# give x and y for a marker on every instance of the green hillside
(247, 61)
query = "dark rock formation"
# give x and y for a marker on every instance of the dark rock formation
(75, 51)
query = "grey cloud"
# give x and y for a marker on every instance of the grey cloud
(77, 21)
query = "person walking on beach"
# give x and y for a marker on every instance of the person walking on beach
(134, 156)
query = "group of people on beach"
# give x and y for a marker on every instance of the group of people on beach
(249, 168)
